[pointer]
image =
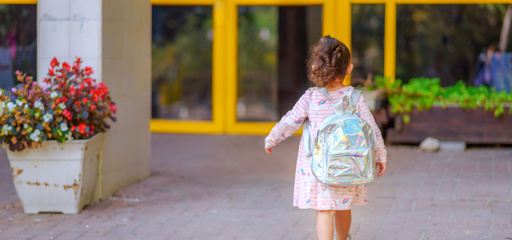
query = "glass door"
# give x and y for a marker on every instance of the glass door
(186, 39)
(268, 49)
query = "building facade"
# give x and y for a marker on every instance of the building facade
(231, 66)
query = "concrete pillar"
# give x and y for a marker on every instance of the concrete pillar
(126, 67)
(114, 38)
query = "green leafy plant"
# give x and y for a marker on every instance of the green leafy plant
(423, 93)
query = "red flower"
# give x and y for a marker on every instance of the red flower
(73, 128)
(93, 107)
(88, 71)
(76, 69)
(72, 90)
(46, 80)
(113, 108)
(66, 66)
(62, 99)
(54, 62)
(88, 81)
(67, 114)
(81, 128)
(78, 60)
(86, 100)
(51, 73)
(103, 87)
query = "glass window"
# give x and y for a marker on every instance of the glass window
(273, 47)
(367, 41)
(17, 42)
(182, 62)
(445, 41)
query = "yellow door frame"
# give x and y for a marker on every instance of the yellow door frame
(215, 126)
(336, 21)
(234, 126)
(18, 1)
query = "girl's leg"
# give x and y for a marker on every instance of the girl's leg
(343, 221)
(324, 224)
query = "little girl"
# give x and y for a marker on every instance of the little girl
(328, 65)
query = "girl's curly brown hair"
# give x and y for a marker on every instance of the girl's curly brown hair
(329, 60)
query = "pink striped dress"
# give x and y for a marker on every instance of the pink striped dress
(308, 192)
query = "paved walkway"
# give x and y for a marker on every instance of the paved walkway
(226, 187)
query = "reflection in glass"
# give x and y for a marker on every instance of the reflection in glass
(367, 41)
(17, 42)
(445, 40)
(273, 45)
(182, 62)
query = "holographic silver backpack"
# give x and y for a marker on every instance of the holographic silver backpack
(343, 153)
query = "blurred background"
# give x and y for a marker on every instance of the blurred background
(17, 42)
(260, 66)
(442, 41)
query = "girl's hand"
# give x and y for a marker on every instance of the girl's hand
(382, 168)
(269, 150)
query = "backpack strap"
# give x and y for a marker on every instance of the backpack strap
(338, 106)
(308, 144)
(351, 102)
(354, 98)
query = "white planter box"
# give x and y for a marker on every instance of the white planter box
(58, 177)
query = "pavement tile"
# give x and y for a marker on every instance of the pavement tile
(158, 236)
(501, 223)
(501, 234)
(388, 234)
(218, 192)
(271, 235)
(122, 235)
(299, 235)
(406, 235)
(151, 229)
(42, 237)
(68, 235)
(502, 209)
(459, 234)
(417, 220)
(459, 223)
(435, 233)
(183, 234)
(480, 224)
